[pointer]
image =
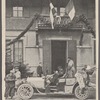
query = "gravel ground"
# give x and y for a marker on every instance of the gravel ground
(58, 97)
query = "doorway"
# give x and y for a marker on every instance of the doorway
(55, 53)
(58, 49)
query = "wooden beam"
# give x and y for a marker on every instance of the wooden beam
(27, 29)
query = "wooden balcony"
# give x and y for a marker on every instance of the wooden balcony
(63, 23)
(79, 23)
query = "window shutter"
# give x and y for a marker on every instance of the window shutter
(9, 11)
(26, 12)
(47, 56)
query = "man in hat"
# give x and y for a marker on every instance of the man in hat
(10, 84)
(18, 77)
(89, 71)
(70, 68)
(39, 70)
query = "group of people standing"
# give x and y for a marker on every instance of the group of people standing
(70, 68)
(69, 72)
(82, 76)
(13, 78)
(11, 82)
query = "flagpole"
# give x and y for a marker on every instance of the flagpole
(70, 9)
(49, 1)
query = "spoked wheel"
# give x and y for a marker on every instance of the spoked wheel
(81, 95)
(25, 91)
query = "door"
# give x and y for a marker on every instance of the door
(58, 49)
(72, 50)
(47, 56)
(56, 52)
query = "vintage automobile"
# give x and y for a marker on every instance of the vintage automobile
(64, 86)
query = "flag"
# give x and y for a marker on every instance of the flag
(52, 13)
(70, 9)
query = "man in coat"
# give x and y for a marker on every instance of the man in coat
(39, 70)
(70, 68)
(10, 84)
(18, 77)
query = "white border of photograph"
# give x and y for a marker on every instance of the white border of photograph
(3, 45)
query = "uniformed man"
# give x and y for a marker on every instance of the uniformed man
(10, 84)
(39, 70)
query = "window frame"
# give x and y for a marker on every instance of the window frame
(14, 51)
(62, 12)
(58, 9)
(18, 10)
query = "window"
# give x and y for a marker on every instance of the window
(62, 11)
(17, 11)
(18, 51)
(14, 53)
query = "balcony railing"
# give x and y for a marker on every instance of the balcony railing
(62, 22)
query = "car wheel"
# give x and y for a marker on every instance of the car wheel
(25, 91)
(78, 93)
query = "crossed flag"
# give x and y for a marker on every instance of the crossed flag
(69, 9)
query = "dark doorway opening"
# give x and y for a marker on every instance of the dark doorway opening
(58, 49)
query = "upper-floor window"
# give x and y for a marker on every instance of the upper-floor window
(17, 11)
(60, 11)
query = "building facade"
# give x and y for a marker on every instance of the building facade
(50, 46)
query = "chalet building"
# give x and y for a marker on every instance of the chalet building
(69, 38)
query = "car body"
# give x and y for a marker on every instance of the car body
(64, 86)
